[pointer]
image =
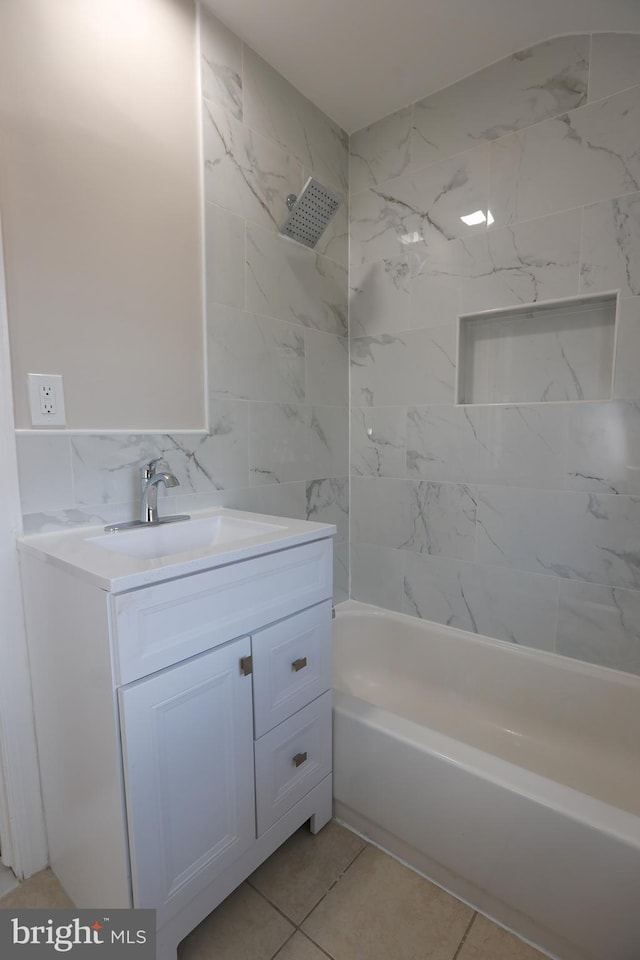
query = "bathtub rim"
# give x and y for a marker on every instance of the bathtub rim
(357, 609)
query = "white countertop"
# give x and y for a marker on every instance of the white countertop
(117, 572)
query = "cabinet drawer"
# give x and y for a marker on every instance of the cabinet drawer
(291, 759)
(168, 622)
(291, 665)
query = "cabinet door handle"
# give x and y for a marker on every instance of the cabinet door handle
(246, 666)
(299, 758)
(299, 664)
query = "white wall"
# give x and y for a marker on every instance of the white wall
(22, 830)
(99, 189)
(276, 321)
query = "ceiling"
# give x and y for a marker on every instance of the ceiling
(359, 60)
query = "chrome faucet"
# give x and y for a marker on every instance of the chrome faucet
(150, 479)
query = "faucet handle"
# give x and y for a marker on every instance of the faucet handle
(149, 469)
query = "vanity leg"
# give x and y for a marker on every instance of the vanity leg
(166, 948)
(320, 818)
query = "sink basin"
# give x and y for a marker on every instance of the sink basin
(154, 542)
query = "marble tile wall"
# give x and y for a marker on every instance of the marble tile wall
(469, 515)
(276, 330)
(519, 520)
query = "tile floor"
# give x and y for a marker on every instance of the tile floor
(7, 880)
(332, 895)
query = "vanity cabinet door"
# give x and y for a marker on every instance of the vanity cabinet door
(187, 737)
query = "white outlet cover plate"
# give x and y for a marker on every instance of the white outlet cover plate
(39, 419)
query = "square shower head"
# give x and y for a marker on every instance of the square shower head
(311, 213)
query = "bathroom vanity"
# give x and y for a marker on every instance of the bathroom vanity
(182, 703)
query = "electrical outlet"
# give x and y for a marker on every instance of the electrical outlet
(46, 400)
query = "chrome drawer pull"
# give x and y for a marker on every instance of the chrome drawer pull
(299, 664)
(299, 758)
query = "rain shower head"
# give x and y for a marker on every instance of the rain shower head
(310, 213)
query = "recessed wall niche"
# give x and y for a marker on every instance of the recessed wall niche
(560, 350)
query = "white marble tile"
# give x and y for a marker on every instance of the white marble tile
(522, 445)
(442, 443)
(327, 368)
(376, 229)
(274, 499)
(603, 452)
(583, 156)
(442, 519)
(377, 575)
(221, 63)
(328, 502)
(433, 200)
(244, 172)
(413, 369)
(106, 466)
(577, 536)
(548, 354)
(288, 281)
(380, 151)
(334, 242)
(425, 206)
(255, 358)
(217, 461)
(532, 261)
(505, 604)
(434, 518)
(626, 382)
(341, 553)
(435, 273)
(274, 108)
(378, 441)
(44, 472)
(207, 499)
(615, 63)
(297, 442)
(225, 257)
(379, 297)
(600, 625)
(541, 82)
(611, 246)
(55, 520)
(379, 511)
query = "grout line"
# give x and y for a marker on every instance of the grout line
(317, 945)
(337, 880)
(581, 245)
(272, 904)
(465, 935)
(298, 926)
(283, 945)
(308, 914)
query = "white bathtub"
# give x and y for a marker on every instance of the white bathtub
(508, 776)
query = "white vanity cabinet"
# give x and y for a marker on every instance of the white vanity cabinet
(187, 742)
(184, 727)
